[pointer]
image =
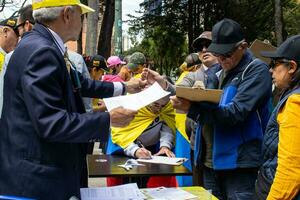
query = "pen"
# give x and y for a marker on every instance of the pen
(140, 144)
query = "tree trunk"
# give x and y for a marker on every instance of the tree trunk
(92, 28)
(104, 42)
(79, 43)
(190, 25)
(278, 22)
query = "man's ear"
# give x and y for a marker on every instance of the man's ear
(28, 26)
(67, 11)
(5, 31)
(292, 67)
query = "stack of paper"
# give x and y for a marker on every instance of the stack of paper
(121, 192)
(138, 100)
(163, 193)
(163, 160)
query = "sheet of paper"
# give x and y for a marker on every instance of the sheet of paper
(138, 100)
(163, 193)
(121, 192)
(163, 160)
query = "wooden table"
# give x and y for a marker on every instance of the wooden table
(107, 166)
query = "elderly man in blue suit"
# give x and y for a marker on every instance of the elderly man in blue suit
(44, 125)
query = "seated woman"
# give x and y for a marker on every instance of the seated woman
(151, 132)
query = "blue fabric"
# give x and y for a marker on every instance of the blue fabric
(183, 149)
(44, 129)
(270, 151)
(113, 148)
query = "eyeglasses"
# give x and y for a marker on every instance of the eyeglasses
(231, 52)
(275, 62)
(204, 43)
(16, 29)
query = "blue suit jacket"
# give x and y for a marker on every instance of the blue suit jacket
(43, 124)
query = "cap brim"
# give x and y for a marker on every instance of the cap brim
(197, 42)
(132, 66)
(270, 54)
(85, 9)
(220, 48)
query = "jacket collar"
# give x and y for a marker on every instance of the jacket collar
(49, 34)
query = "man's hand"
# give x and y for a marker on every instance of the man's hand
(166, 151)
(180, 104)
(121, 117)
(142, 153)
(135, 85)
(152, 76)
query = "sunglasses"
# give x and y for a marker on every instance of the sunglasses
(275, 62)
(231, 52)
(203, 44)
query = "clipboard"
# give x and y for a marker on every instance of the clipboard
(257, 46)
(198, 94)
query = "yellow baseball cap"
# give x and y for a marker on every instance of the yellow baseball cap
(37, 4)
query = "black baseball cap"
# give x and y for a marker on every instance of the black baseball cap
(289, 49)
(226, 34)
(10, 22)
(98, 61)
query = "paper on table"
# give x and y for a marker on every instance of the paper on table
(169, 194)
(138, 100)
(163, 160)
(121, 192)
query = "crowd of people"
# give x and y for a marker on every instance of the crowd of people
(51, 106)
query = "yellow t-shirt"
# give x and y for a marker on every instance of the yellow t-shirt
(286, 183)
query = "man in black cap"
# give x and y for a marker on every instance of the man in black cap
(238, 121)
(8, 38)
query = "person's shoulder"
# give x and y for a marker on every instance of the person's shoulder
(294, 99)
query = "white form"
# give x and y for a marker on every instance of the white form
(163, 193)
(121, 192)
(163, 160)
(138, 100)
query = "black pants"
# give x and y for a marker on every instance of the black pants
(237, 184)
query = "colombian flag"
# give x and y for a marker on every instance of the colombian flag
(182, 147)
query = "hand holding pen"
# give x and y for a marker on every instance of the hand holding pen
(142, 152)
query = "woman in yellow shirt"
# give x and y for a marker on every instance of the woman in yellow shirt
(279, 175)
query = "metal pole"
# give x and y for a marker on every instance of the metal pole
(118, 28)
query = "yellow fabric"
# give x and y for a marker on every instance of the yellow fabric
(181, 118)
(286, 183)
(2, 59)
(37, 4)
(125, 136)
(138, 76)
(200, 192)
(182, 75)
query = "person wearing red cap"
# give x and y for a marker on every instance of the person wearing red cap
(279, 175)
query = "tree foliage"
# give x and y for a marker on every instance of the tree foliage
(165, 35)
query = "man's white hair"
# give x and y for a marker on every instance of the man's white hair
(44, 15)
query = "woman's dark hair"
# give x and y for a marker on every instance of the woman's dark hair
(295, 82)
